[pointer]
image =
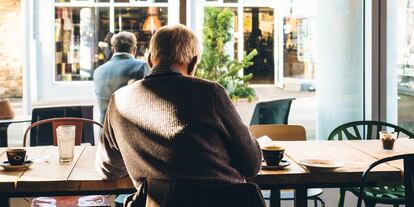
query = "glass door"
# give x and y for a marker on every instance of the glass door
(400, 63)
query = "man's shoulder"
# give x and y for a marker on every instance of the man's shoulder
(202, 82)
(124, 63)
(128, 89)
(128, 61)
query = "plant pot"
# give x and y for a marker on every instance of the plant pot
(6, 110)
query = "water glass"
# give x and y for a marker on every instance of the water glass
(66, 142)
(388, 139)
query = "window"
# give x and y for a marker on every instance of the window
(83, 29)
(326, 76)
(258, 33)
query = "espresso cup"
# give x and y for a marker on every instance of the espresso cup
(16, 156)
(273, 155)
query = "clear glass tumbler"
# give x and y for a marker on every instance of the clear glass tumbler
(66, 142)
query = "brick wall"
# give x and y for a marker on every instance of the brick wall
(11, 48)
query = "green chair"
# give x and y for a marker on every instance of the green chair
(408, 179)
(362, 130)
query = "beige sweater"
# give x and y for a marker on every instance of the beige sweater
(169, 126)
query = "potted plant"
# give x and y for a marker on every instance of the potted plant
(215, 64)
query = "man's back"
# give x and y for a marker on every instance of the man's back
(115, 74)
(168, 126)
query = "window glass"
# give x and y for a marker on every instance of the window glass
(143, 22)
(258, 33)
(77, 33)
(325, 77)
(400, 61)
(82, 34)
(297, 47)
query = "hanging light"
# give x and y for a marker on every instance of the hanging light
(152, 23)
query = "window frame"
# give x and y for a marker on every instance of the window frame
(173, 17)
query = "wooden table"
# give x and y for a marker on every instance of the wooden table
(4, 124)
(49, 177)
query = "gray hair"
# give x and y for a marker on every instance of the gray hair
(175, 44)
(124, 42)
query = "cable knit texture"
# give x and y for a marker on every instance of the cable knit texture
(169, 126)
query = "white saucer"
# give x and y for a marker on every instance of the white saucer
(282, 164)
(6, 165)
(321, 165)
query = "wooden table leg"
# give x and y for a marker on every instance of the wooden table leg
(301, 197)
(274, 197)
(4, 201)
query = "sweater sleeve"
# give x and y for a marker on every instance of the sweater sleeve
(243, 149)
(109, 162)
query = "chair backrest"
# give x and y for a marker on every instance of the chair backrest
(279, 132)
(42, 135)
(185, 194)
(359, 130)
(408, 177)
(272, 112)
(53, 123)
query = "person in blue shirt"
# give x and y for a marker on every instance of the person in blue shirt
(122, 69)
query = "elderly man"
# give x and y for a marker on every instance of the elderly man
(172, 126)
(122, 69)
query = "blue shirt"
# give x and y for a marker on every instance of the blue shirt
(115, 74)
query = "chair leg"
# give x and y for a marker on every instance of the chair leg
(316, 199)
(369, 204)
(341, 201)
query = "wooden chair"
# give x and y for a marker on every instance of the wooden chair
(360, 130)
(42, 135)
(55, 122)
(95, 200)
(272, 112)
(408, 181)
(280, 132)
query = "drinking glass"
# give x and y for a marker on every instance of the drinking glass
(388, 139)
(66, 142)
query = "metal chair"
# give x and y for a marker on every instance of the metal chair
(55, 122)
(42, 135)
(408, 183)
(93, 200)
(272, 112)
(361, 130)
(281, 132)
(358, 130)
